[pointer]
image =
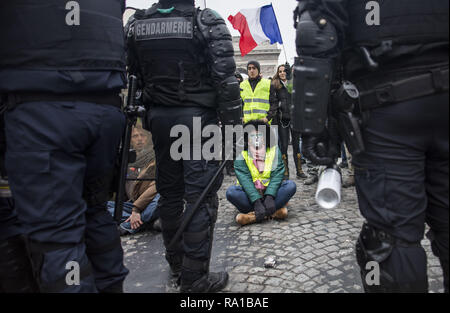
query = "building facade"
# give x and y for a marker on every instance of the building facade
(266, 54)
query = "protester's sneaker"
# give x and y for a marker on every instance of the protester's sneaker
(245, 219)
(213, 282)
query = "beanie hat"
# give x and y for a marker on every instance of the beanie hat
(256, 64)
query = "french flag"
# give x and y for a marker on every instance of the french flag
(256, 26)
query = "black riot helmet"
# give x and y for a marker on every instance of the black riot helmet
(170, 3)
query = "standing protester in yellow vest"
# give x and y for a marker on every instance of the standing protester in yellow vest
(261, 192)
(259, 97)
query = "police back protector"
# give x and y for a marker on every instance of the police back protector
(52, 35)
(403, 21)
(171, 57)
(397, 34)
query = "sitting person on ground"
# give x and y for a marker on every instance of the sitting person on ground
(140, 211)
(261, 192)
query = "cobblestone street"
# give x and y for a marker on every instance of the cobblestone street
(314, 249)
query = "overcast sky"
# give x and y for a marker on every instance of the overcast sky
(283, 10)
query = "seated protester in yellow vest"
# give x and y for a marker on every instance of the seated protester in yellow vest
(261, 192)
(259, 97)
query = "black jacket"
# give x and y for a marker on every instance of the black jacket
(284, 100)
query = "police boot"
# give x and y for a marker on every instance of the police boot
(195, 277)
(298, 166)
(246, 219)
(175, 261)
(348, 181)
(211, 282)
(115, 288)
(174, 256)
(16, 273)
(286, 167)
(312, 179)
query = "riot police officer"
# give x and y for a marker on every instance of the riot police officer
(62, 66)
(386, 68)
(184, 60)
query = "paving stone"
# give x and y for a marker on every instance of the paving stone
(314, 248)
(334, 272)
(272, 289)
(273, 281)
(302, 278)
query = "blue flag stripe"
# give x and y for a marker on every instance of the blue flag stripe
(269, 24)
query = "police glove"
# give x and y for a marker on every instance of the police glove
(260, 210)
(269, 203)
(324, 148)
(288, 69)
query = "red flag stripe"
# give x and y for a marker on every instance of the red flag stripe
(247, 43)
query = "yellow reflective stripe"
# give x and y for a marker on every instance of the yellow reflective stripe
(261, 100)
(260, 111)
(264, 177)
(256, 100)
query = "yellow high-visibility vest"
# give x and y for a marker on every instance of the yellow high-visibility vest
(264, 177)
(256, 103)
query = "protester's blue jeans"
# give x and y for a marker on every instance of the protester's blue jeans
(237, 196)
(148, 215)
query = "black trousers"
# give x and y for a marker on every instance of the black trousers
(402, 182)
(284, 131)
(185, 178)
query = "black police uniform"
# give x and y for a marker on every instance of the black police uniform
(184, 60)
(60, 84)
(401, 164)
(16, 273)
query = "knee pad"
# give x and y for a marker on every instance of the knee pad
(47, 259)
(376, 246)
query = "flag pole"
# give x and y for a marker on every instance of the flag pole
(282, 45)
